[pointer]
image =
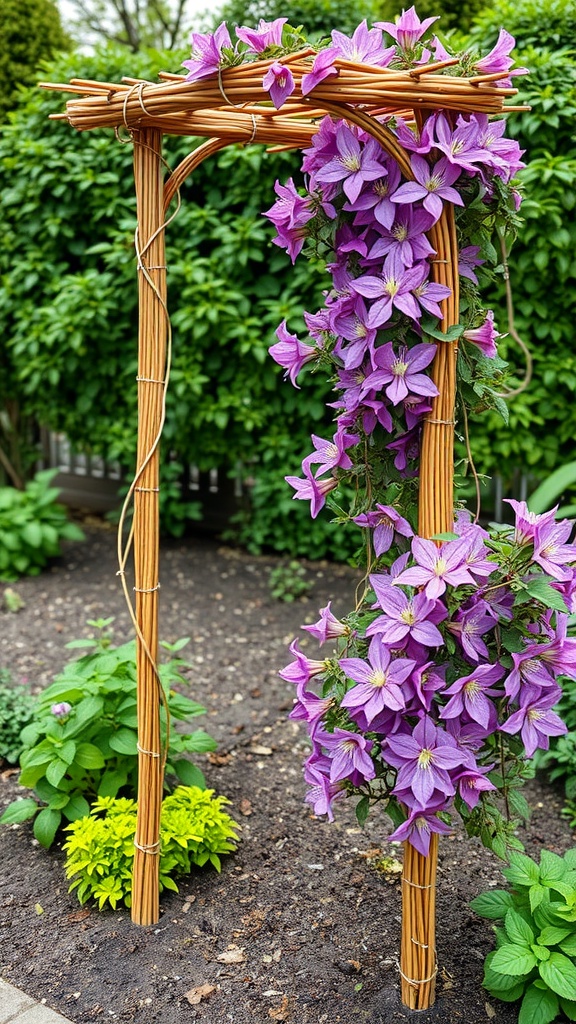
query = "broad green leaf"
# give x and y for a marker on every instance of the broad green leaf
(543, 592)
(552, 867)
(539, 1006)
(522, 870)
(569, 1008)
(199, 742)
(559, 973)
(89, 756)
(551, 935)
(493, 905)
(124, 741)
(56, 771)
(19, 810)
(568, 945)
(536, 894)
(77, 807)
(513, 960)
(517, 929)
(111, 782)
(540, 952)
(46, 825)
(188, 773)
(67, 752)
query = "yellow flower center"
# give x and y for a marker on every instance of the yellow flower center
(440, 566)
(424, 758)
(408, 616)
(378, 678)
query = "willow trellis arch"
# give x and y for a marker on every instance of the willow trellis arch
(231, 107)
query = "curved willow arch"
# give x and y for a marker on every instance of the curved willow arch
(228, 108)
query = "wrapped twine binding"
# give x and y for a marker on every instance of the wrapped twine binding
(231, 108)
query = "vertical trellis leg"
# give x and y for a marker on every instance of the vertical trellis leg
(152, 333)
(435, 515)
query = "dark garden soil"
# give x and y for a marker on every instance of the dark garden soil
(301, 926)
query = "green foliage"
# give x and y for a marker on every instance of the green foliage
(288, 581)
(535, 959)
(548, 493)
(559, 762)
(194, 830)
(543, 266)
(318, 17)
(32, 526)
(16, 710)
(30, 31)
(82, 741)
(70, 298)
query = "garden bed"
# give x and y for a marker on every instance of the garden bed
(303, 925)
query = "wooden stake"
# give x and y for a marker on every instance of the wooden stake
(152, 334)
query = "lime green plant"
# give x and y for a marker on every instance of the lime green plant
(288, 581)
(82, 742)
(535, 958)
(32, 526)
(194, 830)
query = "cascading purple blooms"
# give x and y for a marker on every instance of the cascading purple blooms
(446, 674)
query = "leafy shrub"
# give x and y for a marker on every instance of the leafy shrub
(288, 581)
(32, 525)
(559, 762)
(194, 830)
(82, 742)
(16, 711)
(535, 958)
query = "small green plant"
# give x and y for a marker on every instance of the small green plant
(288, 581)
(32, 525)
(194, 830)
(16, 711)
(559, 762)
(82, 742)
(535, 958)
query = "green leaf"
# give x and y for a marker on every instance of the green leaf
(46, 825)
(362, 810)
(522, 870)
(536, 894)
(189, 773)
(56, 771)
(559, 973)
(543, 592)
(77, 807)
(513, 960)
(19, 810)
(89, 756)
(124, 741)
(493, 905)
(569, 1008)
(552, 936)
(568, 946)
(517, 929)
(539, 1006)
(199, 742)
(32, 534)
(111, 782)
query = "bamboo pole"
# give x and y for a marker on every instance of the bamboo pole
(152, 334)
(435, 515)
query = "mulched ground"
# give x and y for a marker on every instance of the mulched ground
(309, 923)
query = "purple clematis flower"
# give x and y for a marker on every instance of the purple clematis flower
(351, 325)
(414, 139)
(311, 489)
(423, 760)
(349, 753)
(365, 47)
(392, 289)
(331, 454)
(408, 29)
(385, 522)
(354, 165)
(415, 617)
(418, 828)
(472, 783)
(379, 681)
(428, 293)
(460, 145)
(328, 626)
(207, 52)
(401, 374)
(470, 625)
(550, 550)
(467, 261)
(535, 721)
(499, 58)
(279, 82)
(406, 237)
(470, 694)
(290, 214)
(302, 669)
(374, 201)
(309, 707)
(291, 353)
(432, 185)
(528, 670)
(322, 792)
(484, 337)
(268, 33)
(437, 566)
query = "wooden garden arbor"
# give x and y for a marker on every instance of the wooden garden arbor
(225, 108)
